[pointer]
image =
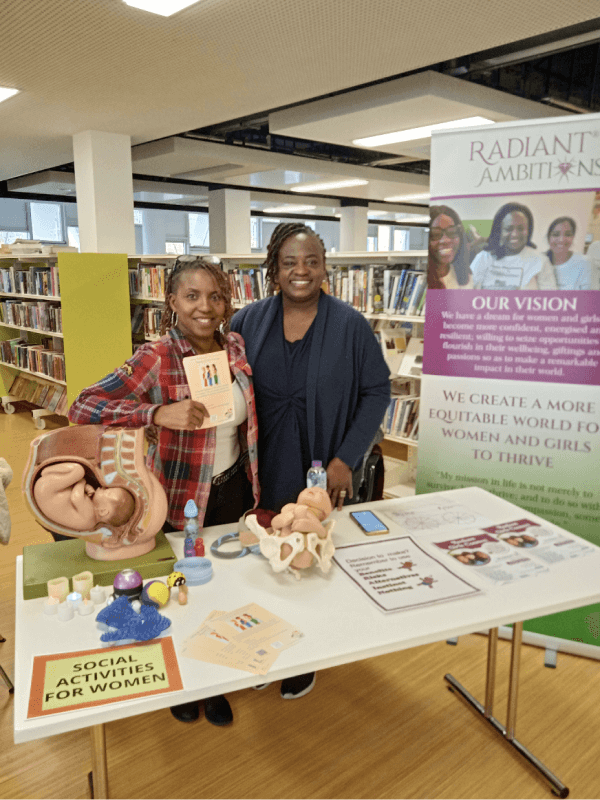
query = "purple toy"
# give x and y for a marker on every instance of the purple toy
(128, 582)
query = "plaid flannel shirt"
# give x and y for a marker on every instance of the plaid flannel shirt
(152, 377)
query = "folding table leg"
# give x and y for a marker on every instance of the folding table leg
(99, 781)
(558, 788)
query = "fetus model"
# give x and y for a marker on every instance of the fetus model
(92, 482)
(298, 536)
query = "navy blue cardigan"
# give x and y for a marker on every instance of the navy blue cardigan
(348, 386)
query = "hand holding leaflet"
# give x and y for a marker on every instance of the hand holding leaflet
(209, 380)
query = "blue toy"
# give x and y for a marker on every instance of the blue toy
(122, 622)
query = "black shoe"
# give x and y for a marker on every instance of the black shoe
(186, 712)
(298, 686)
(218, 711)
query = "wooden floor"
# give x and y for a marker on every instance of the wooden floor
(386, 727)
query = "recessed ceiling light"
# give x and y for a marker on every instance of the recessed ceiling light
(407, 198)
(287, 209)
(420, 133)
(165, 8)
(5, 93)
(322, 187)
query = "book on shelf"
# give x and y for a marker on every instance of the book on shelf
(372, 288)
(399, 419)
(40, 279)
(148, 281)
(40, 393)
(412, 363)
(40, 315)
(137, 320)
(247, 282)
(393, 343)
(42, 358)
(152, 317)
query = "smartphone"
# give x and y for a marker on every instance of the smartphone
(368, 522)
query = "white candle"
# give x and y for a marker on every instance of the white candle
(65, 612)
(74, 599)
(97, 595)
(85, 608)
(51, 605)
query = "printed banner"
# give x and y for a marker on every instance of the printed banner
(510, 397)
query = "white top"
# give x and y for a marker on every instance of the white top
(509, 272)
(576, 273)
(450, 281)
(227, 444)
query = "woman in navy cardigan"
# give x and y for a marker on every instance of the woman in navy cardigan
(320, 380)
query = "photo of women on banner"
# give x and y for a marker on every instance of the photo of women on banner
(449, 251)
(509, 260)
(571, 270)
(209, 379)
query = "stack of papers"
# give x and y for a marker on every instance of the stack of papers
(248, 638)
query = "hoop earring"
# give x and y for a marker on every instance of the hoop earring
(174, 320)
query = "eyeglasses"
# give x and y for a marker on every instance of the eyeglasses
(187, 260)
(435, 234)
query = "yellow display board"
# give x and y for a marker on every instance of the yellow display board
(94, 293)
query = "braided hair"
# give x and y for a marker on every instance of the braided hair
(189, 264)
(282, 232)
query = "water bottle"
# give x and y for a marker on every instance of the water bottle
(191, 528)
(316, 476)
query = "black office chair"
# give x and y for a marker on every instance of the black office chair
(368, 485)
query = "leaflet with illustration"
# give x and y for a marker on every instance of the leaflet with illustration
(513, 550)
(397, 574)
(209, 379)
(544, 541)
(490, 557)
(248, 638)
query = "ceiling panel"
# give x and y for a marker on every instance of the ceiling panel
(423, 99)
(102, 65)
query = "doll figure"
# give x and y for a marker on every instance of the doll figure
(297, 537)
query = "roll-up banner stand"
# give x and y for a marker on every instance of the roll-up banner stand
(511, 366)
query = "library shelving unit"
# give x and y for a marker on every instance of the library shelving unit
(147, 280)
(93, 311)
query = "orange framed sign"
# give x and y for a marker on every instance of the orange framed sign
(83, 679)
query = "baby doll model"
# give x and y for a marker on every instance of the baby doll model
(64, 496)
(297, 537)
(92, 483)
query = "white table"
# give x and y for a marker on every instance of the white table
(340, 624)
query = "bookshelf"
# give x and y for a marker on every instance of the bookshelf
(88, 331)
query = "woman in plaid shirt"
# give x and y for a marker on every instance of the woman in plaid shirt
(217, 467)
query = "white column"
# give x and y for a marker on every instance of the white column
(104, 186)
(353, 229)
(229, 221)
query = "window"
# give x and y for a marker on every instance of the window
(401, 239)
(8, 237)
(383, 238)
(198, 227)
(73, 236)
(138, 216)
(175, 248)
(371, 244)
(47, 222)
(255, 229)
